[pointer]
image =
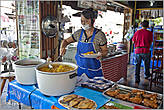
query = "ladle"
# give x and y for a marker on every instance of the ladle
(50, 66)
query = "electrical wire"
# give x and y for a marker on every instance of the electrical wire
(30, 97)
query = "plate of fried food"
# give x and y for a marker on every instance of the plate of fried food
(74, 101)
(91, 54)
(136, 96)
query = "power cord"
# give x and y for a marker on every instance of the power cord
(30, 97)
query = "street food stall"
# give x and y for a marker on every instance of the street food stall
(118, 96)
(42, 84)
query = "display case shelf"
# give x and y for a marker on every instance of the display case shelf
(159, 40)
(159, 48)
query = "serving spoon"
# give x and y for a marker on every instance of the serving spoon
(50, 66)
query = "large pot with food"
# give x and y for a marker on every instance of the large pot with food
(25, 70)
(56, 78)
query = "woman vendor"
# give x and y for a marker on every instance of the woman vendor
(89, 39)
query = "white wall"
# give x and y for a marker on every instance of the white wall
(9, 24)
(107, 22)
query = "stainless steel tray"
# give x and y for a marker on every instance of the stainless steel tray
(126, 89)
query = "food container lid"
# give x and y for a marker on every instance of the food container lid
(28, 62)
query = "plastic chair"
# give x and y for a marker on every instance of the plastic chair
(157, 68)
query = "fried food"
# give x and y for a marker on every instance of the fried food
(83, 104)
(135, 96)
(136, 100)
(69, 97)
(110, 107)
(123, 96)
(135, 91)
(138, 95)
(75, 101)
(89, 53)
(91, 105)
(150, 96)
(86, 104)
(113, 93)
(150, 103)
(147, 95)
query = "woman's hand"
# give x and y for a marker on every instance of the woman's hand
(100, 56)
(64, 44)
(104, 51)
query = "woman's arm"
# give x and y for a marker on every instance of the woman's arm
(64, 44)
(104, 51)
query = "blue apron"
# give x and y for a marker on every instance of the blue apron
(90, 66)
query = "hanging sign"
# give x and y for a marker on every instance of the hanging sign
(97, 5)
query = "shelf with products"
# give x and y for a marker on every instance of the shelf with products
(28, 28)
(157, 44)
(157, 41)
(158, 38)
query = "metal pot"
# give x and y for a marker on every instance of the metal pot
(25, 70)
(56, 84)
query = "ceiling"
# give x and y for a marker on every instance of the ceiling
(145, 4)
(115, 4)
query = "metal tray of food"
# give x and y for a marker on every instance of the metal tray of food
(136, 96)
(98, 83)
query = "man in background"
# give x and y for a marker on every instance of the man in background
(142, 40)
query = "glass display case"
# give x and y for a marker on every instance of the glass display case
(28, 28)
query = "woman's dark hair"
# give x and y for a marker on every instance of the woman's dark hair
(145, 23)
(90, 14)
